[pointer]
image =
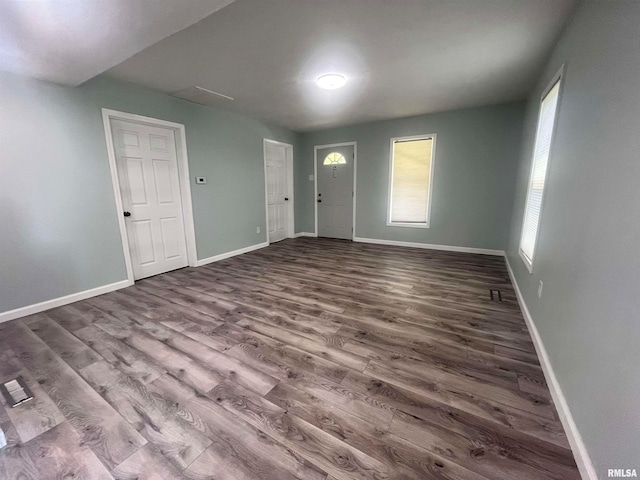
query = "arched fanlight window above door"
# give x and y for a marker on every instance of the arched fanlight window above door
(334, 158)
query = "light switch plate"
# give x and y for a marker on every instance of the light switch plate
(311, 178)
(201, 180)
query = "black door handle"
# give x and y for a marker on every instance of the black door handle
(319, 201)
(127, 214)
(286, 199)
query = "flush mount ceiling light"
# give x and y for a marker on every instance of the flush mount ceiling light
(331, 81)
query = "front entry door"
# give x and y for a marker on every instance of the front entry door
(277, 195)
(335, 191)
(147, 167)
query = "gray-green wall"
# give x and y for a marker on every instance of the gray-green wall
(587, 256)
(58, 222)
(474, 177)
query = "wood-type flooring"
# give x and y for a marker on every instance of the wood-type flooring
(310, 359)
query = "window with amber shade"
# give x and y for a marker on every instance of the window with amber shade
(411, 177)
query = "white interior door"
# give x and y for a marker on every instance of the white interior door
(335, 191)
(277, 191)
(147, 166)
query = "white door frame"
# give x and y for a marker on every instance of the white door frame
(290, 210)
(315, 180)
(183, 174)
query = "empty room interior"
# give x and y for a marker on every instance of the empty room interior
(324, 240)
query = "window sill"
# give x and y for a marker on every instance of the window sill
(409, 225)
(526, 261)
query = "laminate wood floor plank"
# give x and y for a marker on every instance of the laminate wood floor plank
(10, 366)
(146, 464)
(311, 326)
(204, 334)
(57, 453)
(172, 360)
(329, 352)
(437, 363)
(101, 428)
(403, 305)
(276, 358)
(313, 374)
(448, 405)
(310, 359)
(497, 328)
(482, 343)
(188, 297)
(426, 384)
(369, 437)
(13, 440)
(286, 363)
(516, 354)
(70, 349)
(72, 317)
(333, 456)
(35, 416)
(491, 452)
(239, 450)
(177, 441)
(427, 339)
(129, 361)
(259, 300)
(220, 366)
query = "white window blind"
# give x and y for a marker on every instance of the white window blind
(546, 122)
(411, 163)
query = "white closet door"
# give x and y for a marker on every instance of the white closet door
(277, 195)
(150, 188)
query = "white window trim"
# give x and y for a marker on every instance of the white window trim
(427, 223)
(558, 77)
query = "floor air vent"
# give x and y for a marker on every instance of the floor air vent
(495, 294)
(16, 391)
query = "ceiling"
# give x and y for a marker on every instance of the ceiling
(71, 41)
(401, 57)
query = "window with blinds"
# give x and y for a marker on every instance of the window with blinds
(411, 177)
(544, 134)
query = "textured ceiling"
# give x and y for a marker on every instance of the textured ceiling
(71, 41)
(401, 57)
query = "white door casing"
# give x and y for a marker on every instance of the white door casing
(147, 167)
(278, 186)
(335, 192)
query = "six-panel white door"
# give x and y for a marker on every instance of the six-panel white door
(277, 195)
(149, 184)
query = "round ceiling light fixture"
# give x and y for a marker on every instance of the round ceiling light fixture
(331, 81)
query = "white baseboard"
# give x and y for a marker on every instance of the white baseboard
(429, 246)
(222, 256)
(304, 234)
(587, 471)
(76, 297)
(58, 302)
